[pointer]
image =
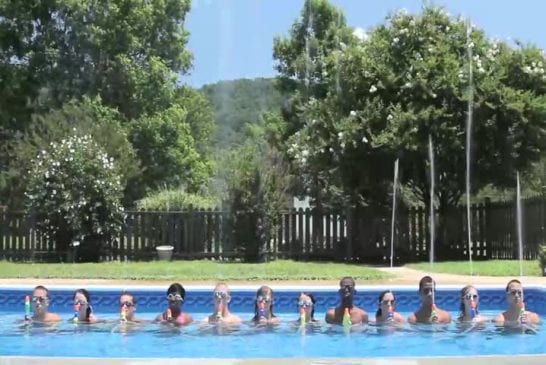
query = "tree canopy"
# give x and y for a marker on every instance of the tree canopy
(408, 79)
(126, 55)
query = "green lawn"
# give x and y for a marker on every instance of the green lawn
(484, 268)
(192, 270)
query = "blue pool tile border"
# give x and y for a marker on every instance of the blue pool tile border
(199, 299)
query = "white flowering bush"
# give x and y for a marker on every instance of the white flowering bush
(75, 192)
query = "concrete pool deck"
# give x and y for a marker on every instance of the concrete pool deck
(478, 360)
(401, 276)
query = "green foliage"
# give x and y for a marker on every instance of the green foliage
(256, 178)
(251, 180)
(321, 30)
(380, 98)
(127, 54)
(176, 199)
(239, 102)
(256, 186)
(166, 149)
(76, 192)
(308, 64)
(126, 51)
(88, 117)
(200, 118)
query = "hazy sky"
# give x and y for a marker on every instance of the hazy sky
(233, 39)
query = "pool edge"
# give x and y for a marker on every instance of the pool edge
(283, 287)
(445, 360)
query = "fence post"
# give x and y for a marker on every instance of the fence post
(349, 239)
(488, 239)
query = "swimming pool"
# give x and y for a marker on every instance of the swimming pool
(110, 340)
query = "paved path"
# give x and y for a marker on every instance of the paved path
(401, 276)
(404, 275)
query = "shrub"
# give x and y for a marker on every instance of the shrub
(75, 191)
(176, 199)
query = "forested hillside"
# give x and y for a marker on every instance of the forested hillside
(239, 102)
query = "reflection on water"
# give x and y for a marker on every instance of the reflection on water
(112, 338)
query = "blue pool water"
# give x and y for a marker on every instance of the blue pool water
(110, 339)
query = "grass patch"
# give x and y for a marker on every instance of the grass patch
(192, 270)
(483, 268)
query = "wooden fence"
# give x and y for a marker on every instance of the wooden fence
(303, 234)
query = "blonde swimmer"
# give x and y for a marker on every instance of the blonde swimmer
(221, 296)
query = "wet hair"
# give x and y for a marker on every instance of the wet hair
(41, 287)
(349, 279)
(177, 289)
(263, 289)
(380, 299)
(463, 293)
(221, 283)
(313, 300)
(125, 292)
(426, 280)
(88, 298)
(512, 282)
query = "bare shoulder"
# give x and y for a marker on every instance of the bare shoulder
(330, 315)
(499, 318)
(362, 312)
(412, 318)
(93, 319)
(399, 318)
(364, 315)
(235, 319)
(445, 315)
(53, 317)
(482, 318)
(534, 317)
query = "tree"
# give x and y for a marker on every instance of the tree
(127, 52)
(166, 149)
(307, 62)
(88, 117)
(75, 191)
(256, 183)
(409, 80)
(302, 58)
(199, 117)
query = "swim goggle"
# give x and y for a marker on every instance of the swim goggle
(40, 300)
(263, 299)
(347, 289)
(305, 303)
(220, 295)
(175, 298)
